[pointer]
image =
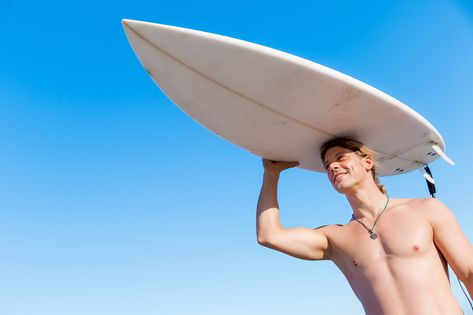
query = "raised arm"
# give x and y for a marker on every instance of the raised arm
(303, 243)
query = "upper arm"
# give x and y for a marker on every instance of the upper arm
(303, 243)
(450, 239)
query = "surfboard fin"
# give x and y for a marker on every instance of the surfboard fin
(442, 154)
(421, 168)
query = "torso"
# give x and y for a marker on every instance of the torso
(401, 272)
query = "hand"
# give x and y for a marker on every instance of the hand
(277, 166)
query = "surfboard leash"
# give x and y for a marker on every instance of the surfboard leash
(432, 192)
(461, 286)
(430, 184)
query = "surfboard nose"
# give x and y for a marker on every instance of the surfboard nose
(127, 23)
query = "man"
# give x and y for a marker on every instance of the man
(394, 252)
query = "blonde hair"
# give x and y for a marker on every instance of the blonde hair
(360, 149)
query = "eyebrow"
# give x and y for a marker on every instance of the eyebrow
(336, 157)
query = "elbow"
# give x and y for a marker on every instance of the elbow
(264, 240)
(267, 237)
(469, 277)
(269, 240)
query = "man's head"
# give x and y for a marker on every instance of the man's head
(345, 156)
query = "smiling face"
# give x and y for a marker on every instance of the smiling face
(346, 169)
(347, 162)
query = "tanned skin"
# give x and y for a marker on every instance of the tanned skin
(402, 272)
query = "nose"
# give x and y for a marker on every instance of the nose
(332, 167)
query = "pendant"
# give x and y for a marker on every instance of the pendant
(373, 235)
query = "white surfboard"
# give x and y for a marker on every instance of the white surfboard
(277, 105)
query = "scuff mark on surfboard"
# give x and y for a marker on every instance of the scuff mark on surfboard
(280, 123)
(346, 98)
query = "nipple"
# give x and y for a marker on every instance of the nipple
(355, 263)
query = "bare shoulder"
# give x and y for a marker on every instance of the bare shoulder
(420, 204)
(406, 203)
(429, 205)
(436, 211)
(330, 230)
(432, 209)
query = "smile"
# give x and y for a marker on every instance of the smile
(338, 176)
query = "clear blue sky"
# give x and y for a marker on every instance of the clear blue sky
(113, 201)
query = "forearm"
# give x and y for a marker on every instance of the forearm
(267, 215)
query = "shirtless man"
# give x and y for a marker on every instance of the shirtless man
(399, 267)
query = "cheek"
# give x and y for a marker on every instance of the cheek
(351, 167)
(329, 177)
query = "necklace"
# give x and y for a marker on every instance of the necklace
(372, 231)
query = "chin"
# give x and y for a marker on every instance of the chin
(343, 189)
(340, 190)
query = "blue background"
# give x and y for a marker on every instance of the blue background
(113, 201)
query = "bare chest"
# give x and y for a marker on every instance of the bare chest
(401, 237)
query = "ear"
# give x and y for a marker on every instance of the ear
(368, 162)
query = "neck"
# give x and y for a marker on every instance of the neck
(366, 202)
